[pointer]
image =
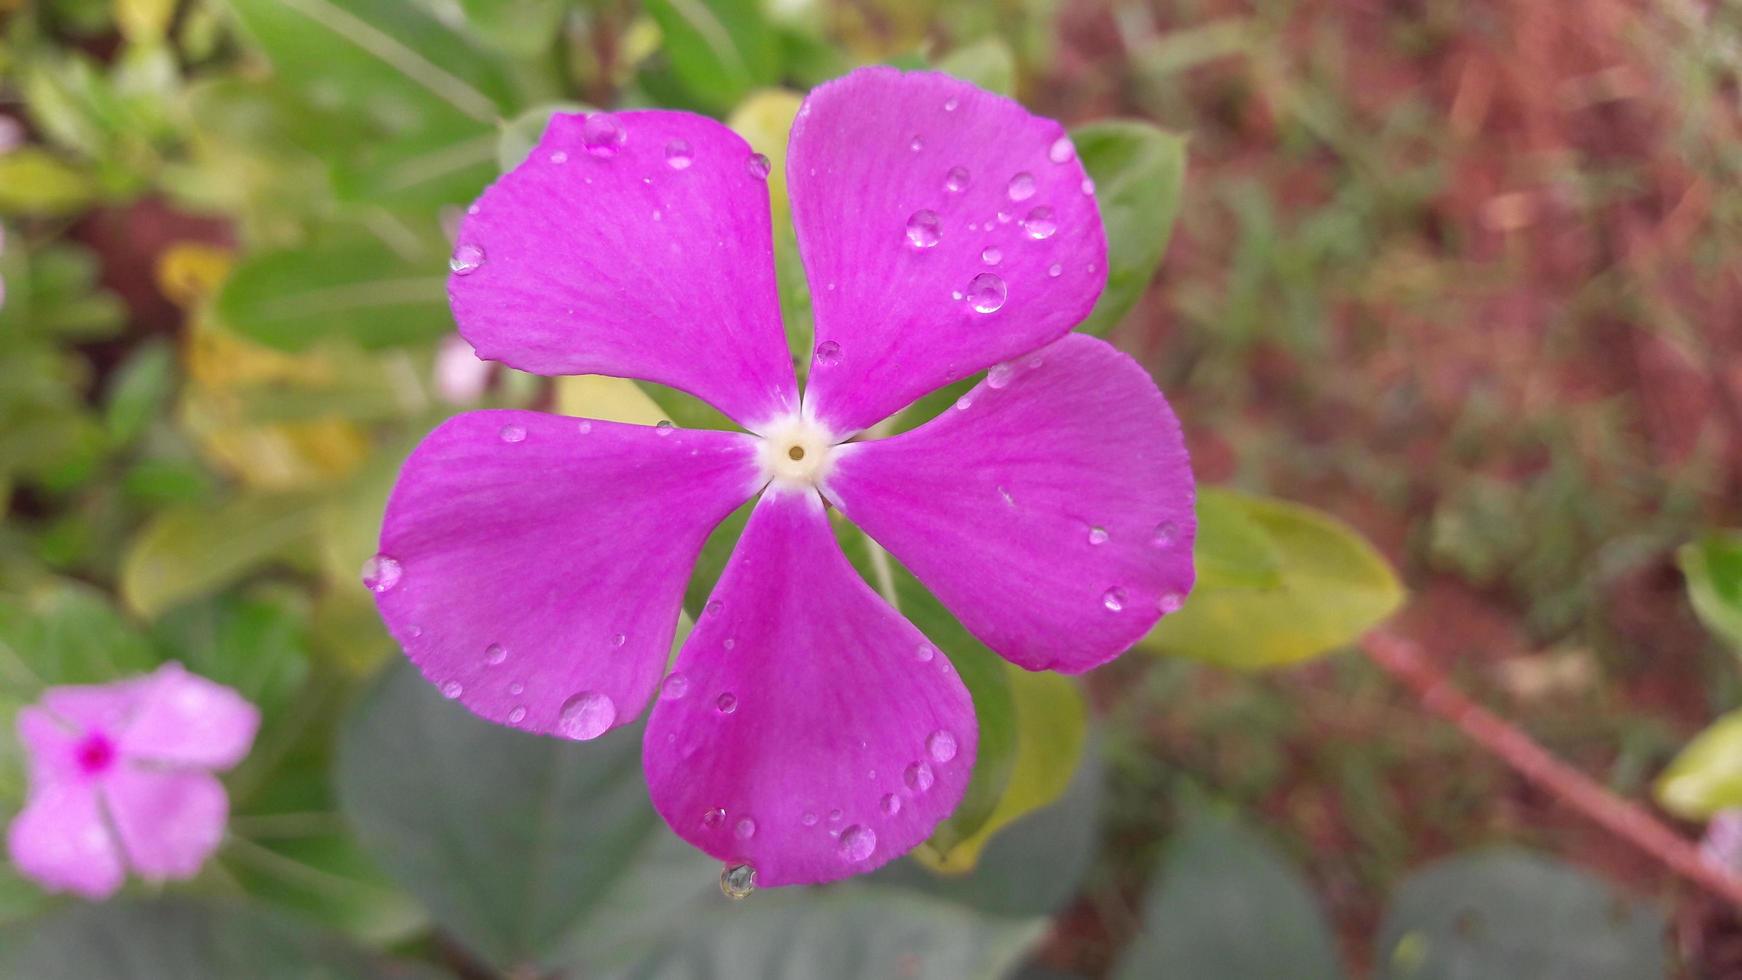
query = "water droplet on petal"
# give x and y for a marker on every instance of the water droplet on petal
(560, 157)
(1040, 223)
(1170, 602)
(466, 259)
(891, 804)
(518, 715)
(1055, 270)
(916, 144)
(987, 292)
(586, 716)
(602, 135)
(726, 703)
(714, 817)
(1166, 533)
(1021, 186)
(956, 181)
(585, 426)
(966, 401)
(924, 652)
(1097, 535)
(857, 843)
(746, 829)
(941, 745)
(834, 816)
(951, 103)
(923, 229)
(513, 433)
(675, 686)
(828, 353)
(918, 777)
(738, 881)
(381, 574)
(1113, 599)
(809, 819)
(999, 376)
(1061, 150)
(991, 255)
(1088, 185)
(517, 689)
(619, 639)
(729, 643)
(758, 166)
(495, 654)
(713, 607)
(678, 155)
(452, 690)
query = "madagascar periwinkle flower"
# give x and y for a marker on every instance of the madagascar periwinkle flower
(121, 778)
(533, 566)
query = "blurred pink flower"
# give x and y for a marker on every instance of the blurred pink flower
(460, 376)
(1722, 846)
(120, 777)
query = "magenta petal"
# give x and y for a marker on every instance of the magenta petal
(637, 245)
(808, 729)
(50, 746)
(919, 201)
(533, 565)
(59, 841)
(185, 719)
(1051, 510)
(169, 821)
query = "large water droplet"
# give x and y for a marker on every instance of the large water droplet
(1061, 150)
(758, 166)
(664, 427)
(924, 652)
(986, 293)
(991, 255)
(941, 745)
(466, 259)
(857, 843)
(999, 376)
(891, 804)
(602, 134)
(678, 155)
(452, 690)
(1113, 599)
(924, 229)
(1170, 603)
(675, 686)
(494, 654)
(381, 573)
(738, 881)
(726, 703)
(956, 181)
(918, 777)
(746, 828)
(828, 353)
(1021, 186)
(1040, 223)
(586, 716)
(513, 433)
(1098, 535)
(714, 818)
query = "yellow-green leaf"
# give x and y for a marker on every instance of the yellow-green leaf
(1279, 583)
(34, 181)
(1050, 730)
(1707, 776)
(190, 551)
(1713, 566)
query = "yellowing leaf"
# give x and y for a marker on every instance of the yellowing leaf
(764, 119)
(34, 181)
(1279, 583)
(594, 396)
(1707, 775)
(1050, 731)
(188, 552)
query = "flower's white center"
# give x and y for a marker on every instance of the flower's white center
(796, 452)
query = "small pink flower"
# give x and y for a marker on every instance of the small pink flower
(459, 375)
(533, 566)
(120, 777)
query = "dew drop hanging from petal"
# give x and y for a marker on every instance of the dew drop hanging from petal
(381, 573)
(759, 166)
(857, 843)
(678, 155)
(467, 259)
(586, 716)
(941, 745)
(603, 135)
(738, 881)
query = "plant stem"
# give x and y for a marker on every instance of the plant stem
(1404, 662)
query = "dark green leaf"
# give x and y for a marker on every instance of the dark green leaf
(1139, 172)
(718, 49)
(141, 390)
(1713, 566)
(1509, 913)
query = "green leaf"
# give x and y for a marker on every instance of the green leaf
(1050, 724)
(719, 49)
(446, 165)
(988, 64)
(257, 644)
(1139, 172)
(35, 182)
(140, 391)
(853, 931)
(1706, 775)
(361, 291)
(1713, 566)
(520, 27)
(1509, 913)
(187, 552)
(66, 633)
(386, 59)
(1316, 587)
(1034, 865)
(510, 839)
(179, 939)
(1226, 904)
(521, 134)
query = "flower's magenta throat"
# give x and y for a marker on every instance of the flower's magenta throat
(95, 753)
(796, 453)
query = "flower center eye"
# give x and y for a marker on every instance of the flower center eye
(95, 753)
(795, 453)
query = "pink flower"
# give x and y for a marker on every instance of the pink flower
(120, 777)
(533, 566)
(460, 377)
